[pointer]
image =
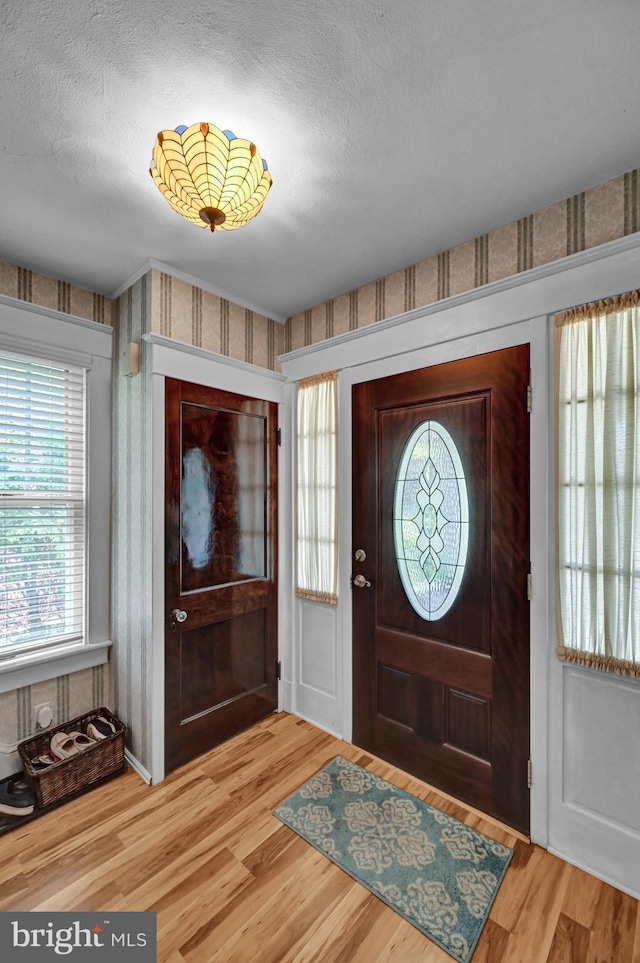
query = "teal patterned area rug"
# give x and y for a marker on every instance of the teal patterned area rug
(439, 874)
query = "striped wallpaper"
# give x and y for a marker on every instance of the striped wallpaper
(600, 214)
(178, 310)
(69, 696)
(26, 285)
(187, 313)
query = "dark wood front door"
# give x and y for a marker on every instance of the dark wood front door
(441, 634)
(220, 568)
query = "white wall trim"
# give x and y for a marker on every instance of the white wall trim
(589, 869)
(10, 761)
(157, 495)
(137, 766)
(32, 348)
(47, 664)
(144, 268)
(32, 308)
(152, 265)
(203, 354)
(287, 607)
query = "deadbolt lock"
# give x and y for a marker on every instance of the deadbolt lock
(360, 555)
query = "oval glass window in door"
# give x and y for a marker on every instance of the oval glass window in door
(431, 520)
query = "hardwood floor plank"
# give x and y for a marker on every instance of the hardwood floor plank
(12, 889)
(326, 940)
(187, 845)
(612, 932)
(74, 861)
(492, 945)
(92, 895)
(184, 911)
(380, 932)
(408, 944)
(524, 867)
(34, 842)
(532, 936)
(635, 955)
(582, 897)
(285, 917)
(231, 884)
(570, 942)
(259, 859)
(215, 929)
(310, 942)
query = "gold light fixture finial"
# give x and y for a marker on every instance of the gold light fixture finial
(210, 176)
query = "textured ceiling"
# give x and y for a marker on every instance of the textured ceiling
(393, 129)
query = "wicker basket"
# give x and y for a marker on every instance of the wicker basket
(71, 776)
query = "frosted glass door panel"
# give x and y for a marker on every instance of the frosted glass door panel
(222, 497)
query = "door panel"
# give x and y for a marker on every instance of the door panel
(221, 566)
(441, 652)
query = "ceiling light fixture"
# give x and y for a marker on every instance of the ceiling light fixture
(210, 176)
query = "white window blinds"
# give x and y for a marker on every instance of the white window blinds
(317, 574)
(598, 484)
(42, 503)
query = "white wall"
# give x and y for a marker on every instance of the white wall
(585, 798)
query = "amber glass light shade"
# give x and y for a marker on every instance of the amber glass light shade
(210, 176)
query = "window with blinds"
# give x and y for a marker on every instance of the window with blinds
(42, 504)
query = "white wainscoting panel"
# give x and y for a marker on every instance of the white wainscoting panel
(317, 694)
(601, 742)
(594, 774)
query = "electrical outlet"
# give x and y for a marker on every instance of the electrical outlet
(42, 716)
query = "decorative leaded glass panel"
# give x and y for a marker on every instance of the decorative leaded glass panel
(431, 520)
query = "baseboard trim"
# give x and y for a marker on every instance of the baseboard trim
(138, 767)
(10, 762)
(592, 872)
(319, 725)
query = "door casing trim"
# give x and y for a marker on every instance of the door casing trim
(535, 333)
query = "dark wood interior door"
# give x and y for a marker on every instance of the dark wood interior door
(220, 566)
(441, 634)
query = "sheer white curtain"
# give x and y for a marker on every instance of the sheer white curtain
(598, 484)
(317, 489)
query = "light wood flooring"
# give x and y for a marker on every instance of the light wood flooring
(231, 884)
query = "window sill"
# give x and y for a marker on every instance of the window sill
(28, 669)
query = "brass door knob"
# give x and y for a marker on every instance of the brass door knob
(361, 582)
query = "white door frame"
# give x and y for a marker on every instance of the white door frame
(172, 359)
